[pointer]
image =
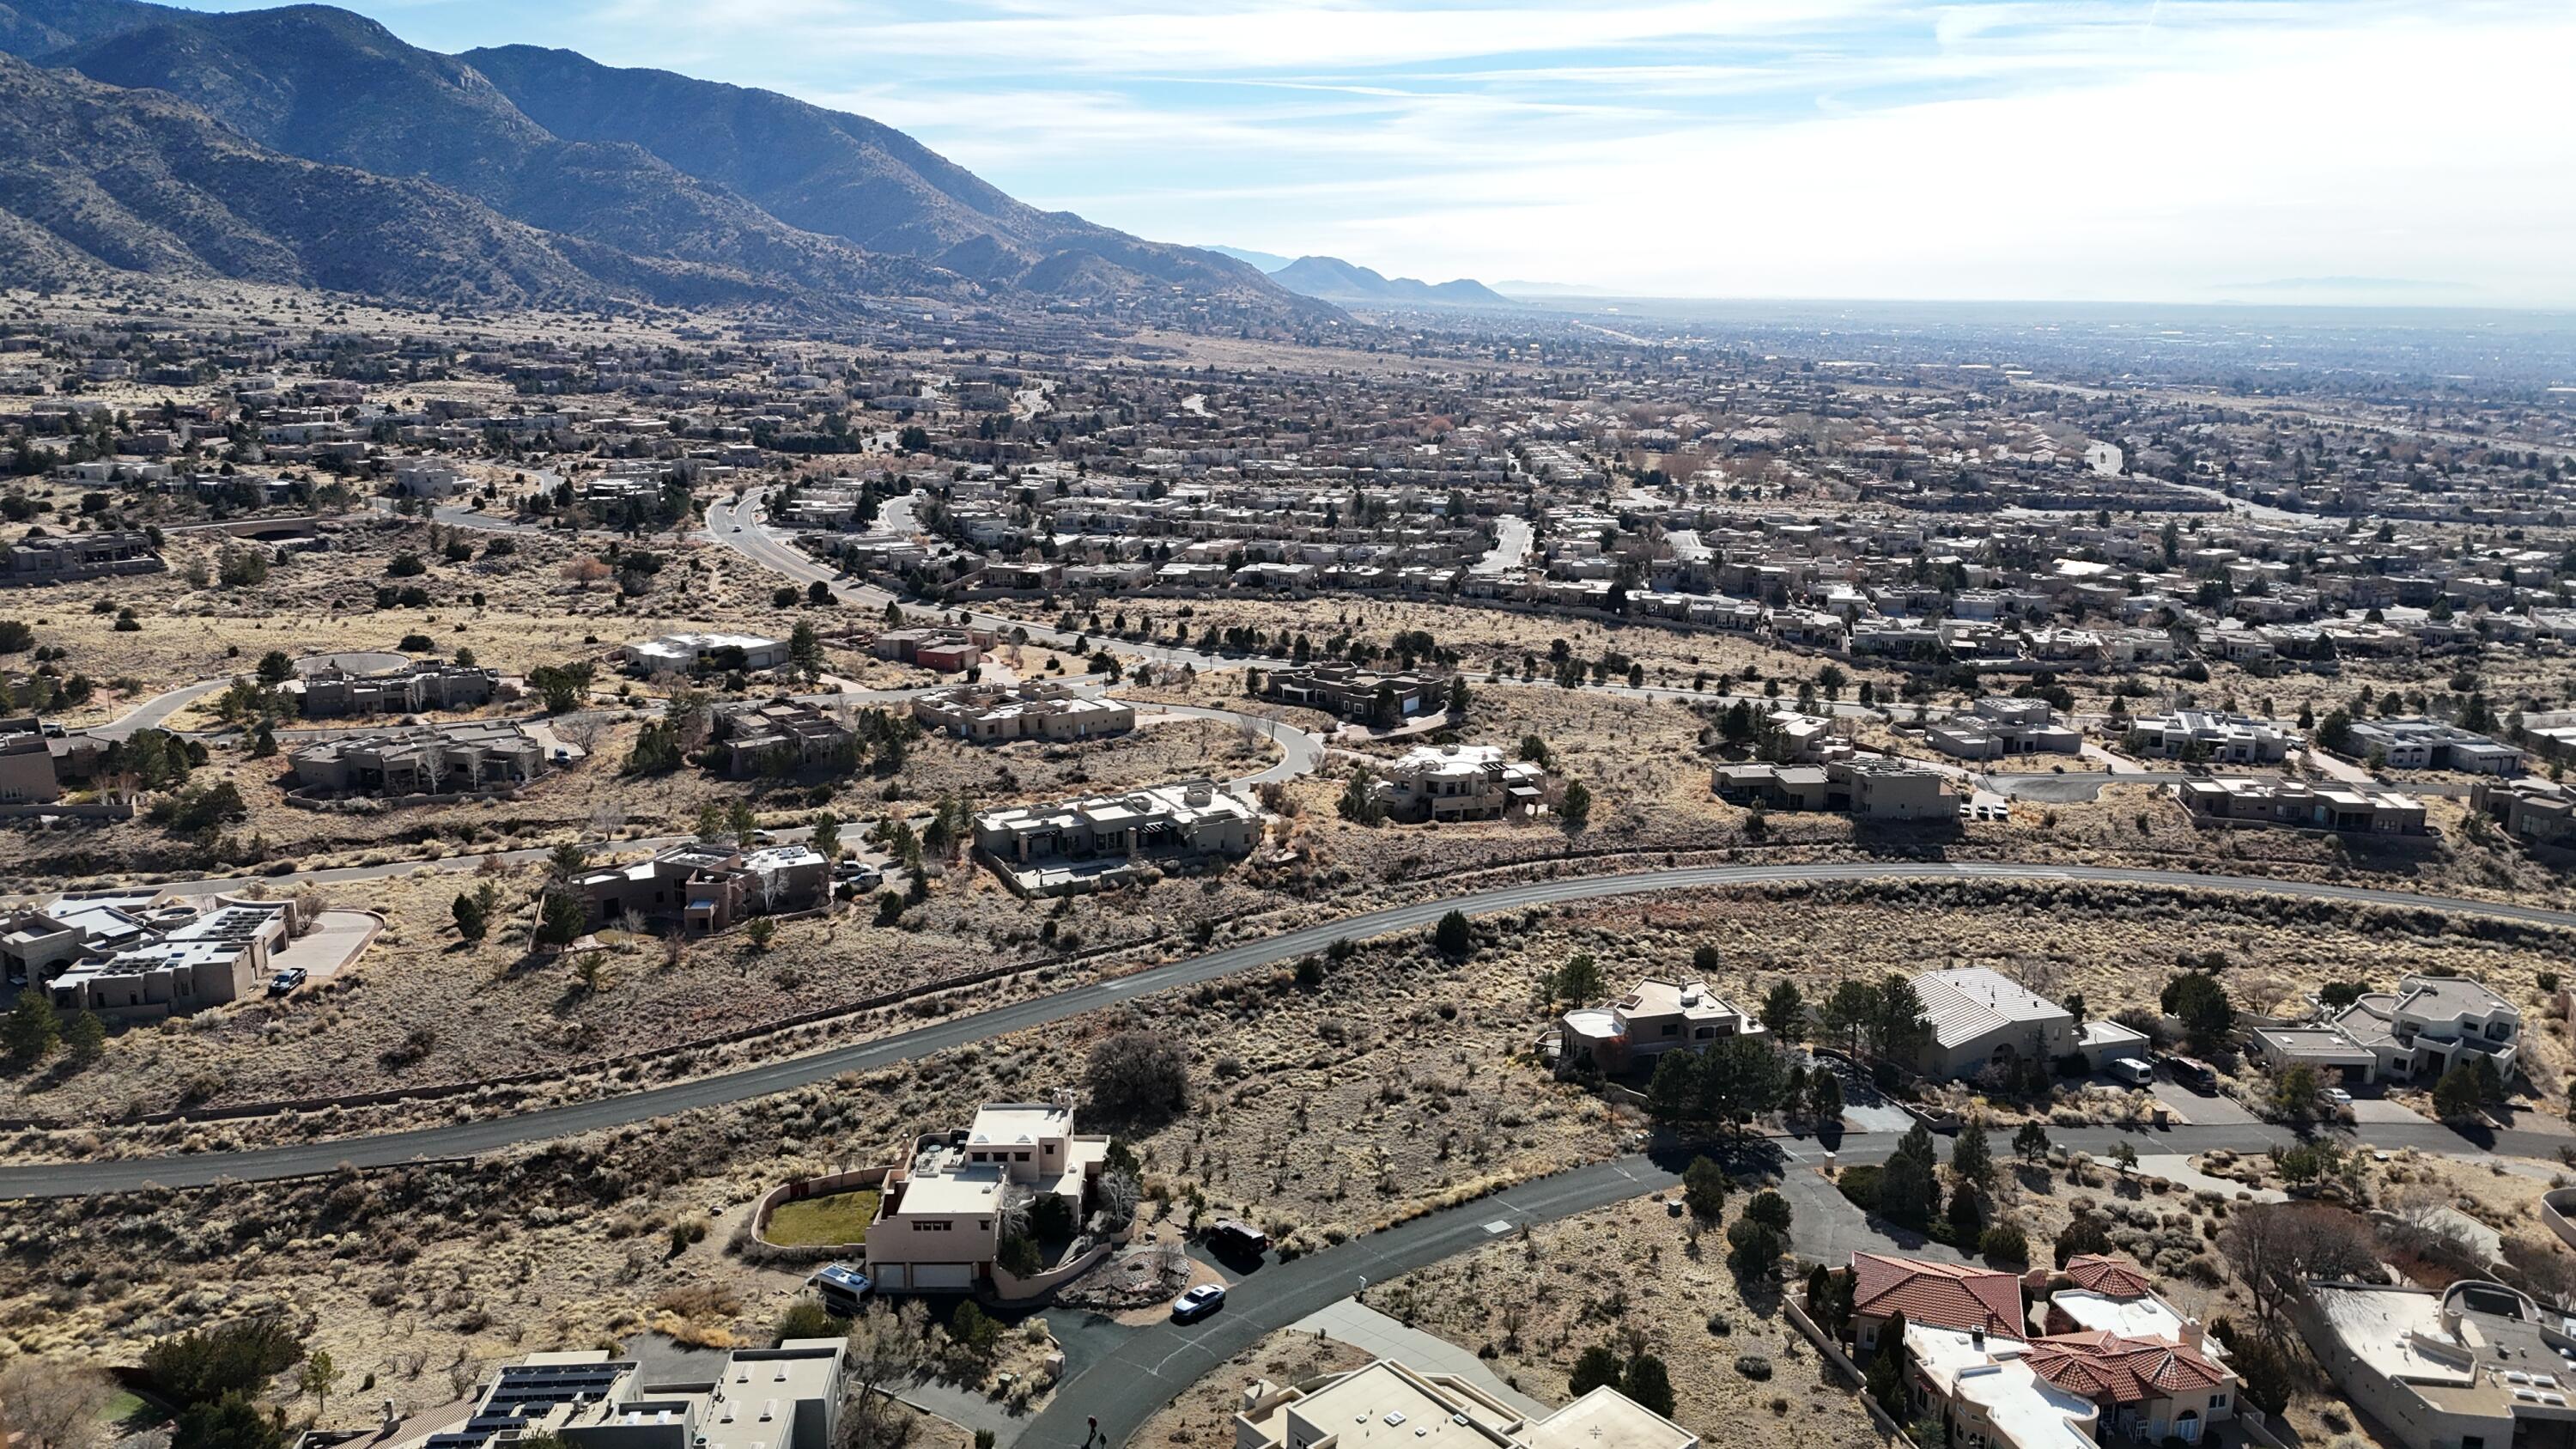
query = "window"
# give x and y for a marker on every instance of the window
(1672, 1028)
(1019, 1157)
(2218, 1401)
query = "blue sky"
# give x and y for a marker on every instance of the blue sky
(2185, 150)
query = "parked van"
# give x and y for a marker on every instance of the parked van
(1227, 1235)
(2198, 1075)
(2132, 1071)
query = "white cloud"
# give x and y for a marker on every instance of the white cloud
(1953, 148)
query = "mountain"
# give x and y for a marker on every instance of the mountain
(334, 87)
(92, 176)
(645, 179)
(1266, 261)
(1336, 280)
(844, 176)
(33, 27)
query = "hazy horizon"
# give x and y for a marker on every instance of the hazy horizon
(2274, 152)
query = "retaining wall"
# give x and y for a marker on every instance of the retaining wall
(803, 1188)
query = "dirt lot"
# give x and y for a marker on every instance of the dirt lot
(1632, 1275)
(1204, 1412)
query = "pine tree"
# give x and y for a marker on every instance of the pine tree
(31, 1028)
(1971, 1157)
(471, 921)
(85, 1036)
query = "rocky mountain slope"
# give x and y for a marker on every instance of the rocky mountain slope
(643, 179)
(92, 176)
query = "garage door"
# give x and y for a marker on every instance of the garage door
(942, 1277)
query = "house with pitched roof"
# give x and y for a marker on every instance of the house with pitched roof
(1983, 1019)
(2067, 1390)
(1935, 1295)
(2113, 1295)
(2145, 1388)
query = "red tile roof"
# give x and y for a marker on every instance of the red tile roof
(2109, 1369)
(2109, 1276)
(1943, 1295)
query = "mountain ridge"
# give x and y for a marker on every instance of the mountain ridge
(649, 176)
(832, 172)
(1335, 280)
(93, 176)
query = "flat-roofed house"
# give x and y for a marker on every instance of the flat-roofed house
(2431, 1024)
(183, 965)
(787, 1397)
(2417, 743)
(2233, 739)
(705, 886)
(1657, 1017)
(1460, 782)
(2476, 1365)
(2423, 1029)
(782, 737)
(452, 759)
(1983, 1390)
(1081, 844)
(1999, 727)
(2354, 809)
(1039, 710)
(684, 653)
(940, 1216)
(27, 775)
(1355, 693)
(1390, 1405)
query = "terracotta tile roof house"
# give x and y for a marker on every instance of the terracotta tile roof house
(2109, 1369)
(2111, 1277)
(1944, 1295)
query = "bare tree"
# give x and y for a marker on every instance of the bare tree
(46, 1403)
(887, 1347)
(1119, 1194)
(2276, 1247)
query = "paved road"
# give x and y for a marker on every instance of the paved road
(1140, 1373)
(736, 524)
(151, 712)
(468, 1139)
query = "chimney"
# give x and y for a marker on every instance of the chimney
(1977, 1339)
(2191, 1334)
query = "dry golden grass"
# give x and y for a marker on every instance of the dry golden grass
(1633, 1275)
(1204, 1412)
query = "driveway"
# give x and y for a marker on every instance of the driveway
(335, 940)
(2215, 1110)
(2381, 1109)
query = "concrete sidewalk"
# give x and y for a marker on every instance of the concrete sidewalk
(1364, 1328)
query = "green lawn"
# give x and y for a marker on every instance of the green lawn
(818, 1222)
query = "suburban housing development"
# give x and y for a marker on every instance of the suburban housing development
(674, 776)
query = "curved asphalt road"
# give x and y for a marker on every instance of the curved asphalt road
(1142, 1369)
(467, 1139)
